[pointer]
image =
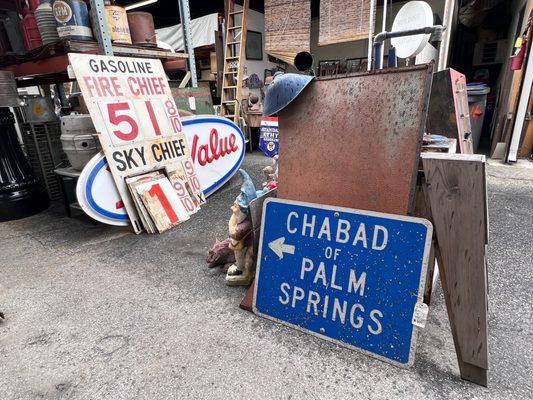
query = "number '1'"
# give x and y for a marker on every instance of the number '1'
(156, 191)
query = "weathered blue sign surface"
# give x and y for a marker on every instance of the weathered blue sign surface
(350, 276)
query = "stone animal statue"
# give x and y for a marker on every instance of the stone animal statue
(220, 255)
(241, 236)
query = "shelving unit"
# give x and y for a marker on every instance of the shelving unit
(48, 64)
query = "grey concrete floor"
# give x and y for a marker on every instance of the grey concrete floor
(96, 312)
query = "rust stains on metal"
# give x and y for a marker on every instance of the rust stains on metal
(355, 141)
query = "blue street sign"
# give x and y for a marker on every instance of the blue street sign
(349, 276)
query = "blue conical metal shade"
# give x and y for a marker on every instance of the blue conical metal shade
(283, 90)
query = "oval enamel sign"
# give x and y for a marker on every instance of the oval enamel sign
(97, 194)
(217, 148)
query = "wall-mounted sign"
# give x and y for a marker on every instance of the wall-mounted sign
(217, 149)
(269, 136)
(97, 193)
(133, 111)
(349, 276)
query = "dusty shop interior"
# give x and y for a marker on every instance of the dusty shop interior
(295, 194)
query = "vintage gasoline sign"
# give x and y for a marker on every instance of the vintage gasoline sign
(133, 111)
(349, 276)
(217, 149)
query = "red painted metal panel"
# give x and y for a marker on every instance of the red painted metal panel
(448, 113)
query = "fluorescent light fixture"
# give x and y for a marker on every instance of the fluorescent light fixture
(139, 4)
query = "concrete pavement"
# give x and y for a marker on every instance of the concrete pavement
(96, 312)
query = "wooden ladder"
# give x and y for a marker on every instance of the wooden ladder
(234, 61)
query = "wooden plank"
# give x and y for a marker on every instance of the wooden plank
(523, 97)
(256, 215)
(421, 209)
(526, 148)
(185, 80)
(502, 106)
(516, 89)
(65, 46)
(51, 60)
(248, 300)
(343, 21)
(287, 28)
(146, 52)
(456, 189)
(219, 49)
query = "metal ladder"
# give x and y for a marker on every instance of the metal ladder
(230, 105)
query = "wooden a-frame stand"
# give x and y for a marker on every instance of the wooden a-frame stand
(451, 193)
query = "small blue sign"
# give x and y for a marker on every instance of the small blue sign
(269, 136)
(349, 276)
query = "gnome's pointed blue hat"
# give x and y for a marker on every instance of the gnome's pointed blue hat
(247, 192)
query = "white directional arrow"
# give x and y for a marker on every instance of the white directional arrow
(279, 247)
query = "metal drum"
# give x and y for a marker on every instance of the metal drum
(39, 109)
(117, 22)
(21, 195)
(72, 19)
(78, 138)
(142, 29)
(9, 96)
(46, 22)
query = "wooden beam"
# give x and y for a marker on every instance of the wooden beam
(523, 100)
(256, 216)
(526, 148)
(185, 80)
(421, 209)
(456, 189)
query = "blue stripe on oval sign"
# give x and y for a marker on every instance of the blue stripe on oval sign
(350, 276)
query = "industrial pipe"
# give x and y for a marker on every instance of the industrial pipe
(303, 61)
(435, 31)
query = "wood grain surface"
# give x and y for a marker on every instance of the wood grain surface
(287, 28)
(343, 21)
(456, 190)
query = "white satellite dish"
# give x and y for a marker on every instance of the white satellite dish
(413, 15)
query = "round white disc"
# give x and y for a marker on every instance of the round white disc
(413, 15)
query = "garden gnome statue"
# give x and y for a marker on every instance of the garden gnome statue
(241, 236)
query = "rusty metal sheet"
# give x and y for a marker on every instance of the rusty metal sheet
(355, 141)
